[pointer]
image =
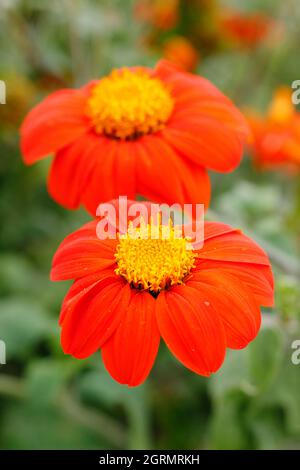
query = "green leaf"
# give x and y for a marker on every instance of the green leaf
(287, 297)
(46, 378)
(27, 427)
(233, 376)
(285, 392)
(265, 356)
(16, 275)
(267, 426)
(227, 430)
(23, 324)
(99, 388)
(252, 369)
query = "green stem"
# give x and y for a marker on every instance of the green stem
(95, 421)
(139, 429)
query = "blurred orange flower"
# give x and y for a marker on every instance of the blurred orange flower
(181, 52)
(245, 30)
(163, 14)
(276, 136)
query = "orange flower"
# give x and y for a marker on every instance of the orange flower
(133, 289)
(245, 30)
(276, 136)
(163, 14)
(180, 51)
(136, 131)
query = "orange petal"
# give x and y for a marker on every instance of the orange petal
(156, 173)
(80, 288)
(191, 329)
(235, 247)
(57, 121)
(205, 125)
(124, 177)
(130, 352)
(206, 142)
(82, 253)
(216, 229)
(234, 303)
(164, 177)
(101, 186)
(72, 169)
(90, 319)
(258, 278)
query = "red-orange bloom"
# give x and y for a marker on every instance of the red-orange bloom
(137, 131)
(276, 136)
(130, 291)
(246, 30)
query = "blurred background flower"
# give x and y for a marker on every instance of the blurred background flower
(245, 30)
(52, 401)
(276, 135)
(181, 52)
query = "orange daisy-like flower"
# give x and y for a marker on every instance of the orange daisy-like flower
(131, 291)
(276, 136)
(136, 131)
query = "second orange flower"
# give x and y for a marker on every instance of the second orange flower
(152, 132)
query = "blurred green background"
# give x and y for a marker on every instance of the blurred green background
(48, 400)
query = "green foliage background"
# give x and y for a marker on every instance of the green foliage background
(48, 400)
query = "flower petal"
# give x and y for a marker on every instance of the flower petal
(156, 176)
(80, 288)
(196, 96)
(90, 319)
(124, 178)
(216, 229)
(114, 174)
(101, 187)
(258, 278)
(57, 121)
(72, 169)
(234, 303)
(191, 329)
(82, 253)
(234, 246)
(205, 125)
(206, 142)
(183, 83)
(164, 177)
(130, 352)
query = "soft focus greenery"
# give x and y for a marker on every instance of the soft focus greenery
(48, 400)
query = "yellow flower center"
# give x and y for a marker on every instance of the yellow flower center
(154, 257)
(128, 104)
